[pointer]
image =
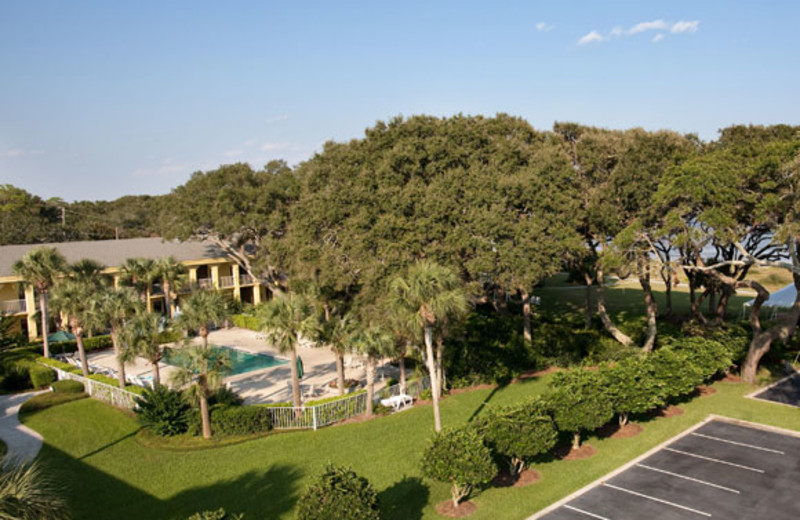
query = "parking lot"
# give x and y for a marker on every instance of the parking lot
(719, 470)
(786, 391)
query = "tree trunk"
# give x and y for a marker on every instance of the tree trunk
(156, 374)
(576, 440)
(623, 418)
(667, 288)
(78, 331)
(402, 362)
(45, 319)
(759, 345)
(295, 379)
(339, 371)
(204, 336)
(204, 415)
(440, 364)
(722, 305)
(712, 301)
(587, 302)
(437, 421)
(117, 352)
(526, 315)
(370, 384)
(650, 305)
(601, 310)
(167, 298)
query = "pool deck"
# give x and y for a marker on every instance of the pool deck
(268, 385)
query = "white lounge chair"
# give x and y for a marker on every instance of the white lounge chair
(398, 402)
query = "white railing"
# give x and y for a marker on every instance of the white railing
(226, 281)
(319, 415)
(205, 283)
(101, 391)
(245, 279)
(413, 388)
(12, 306)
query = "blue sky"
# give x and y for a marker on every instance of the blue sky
(103, 99)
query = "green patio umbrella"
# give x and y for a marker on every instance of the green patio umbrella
(299, 367)
(60, 336)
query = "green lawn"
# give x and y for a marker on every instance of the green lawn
(111, 475)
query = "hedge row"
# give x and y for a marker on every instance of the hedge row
(245, 321)
(66, 367)
(579, 400)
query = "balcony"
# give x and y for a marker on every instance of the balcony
(226, 281)
(205, 283)
(12, 307)
(246, 279)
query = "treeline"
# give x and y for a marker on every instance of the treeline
(28, 219)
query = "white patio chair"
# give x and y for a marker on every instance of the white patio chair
(398, 402)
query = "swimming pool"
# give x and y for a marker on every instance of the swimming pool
(241, 361)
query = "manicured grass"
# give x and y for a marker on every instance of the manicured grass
(115, 476)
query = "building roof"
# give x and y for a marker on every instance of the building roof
(114, 252)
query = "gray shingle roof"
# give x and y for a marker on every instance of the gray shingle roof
(115, 252)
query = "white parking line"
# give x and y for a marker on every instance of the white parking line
(753, 446)
(695, 455)
(587, 513)
(654, 499)
(685, 477)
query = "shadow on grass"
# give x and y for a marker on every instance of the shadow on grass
(483, 404)
(404, 500)
(110, 444)
(94, 494)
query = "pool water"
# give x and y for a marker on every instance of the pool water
(241, 361)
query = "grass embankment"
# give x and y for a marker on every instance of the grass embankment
(114, 475)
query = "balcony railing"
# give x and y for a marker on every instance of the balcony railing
(226, 281)
(246, 279)
(12, 306)
(205, 283)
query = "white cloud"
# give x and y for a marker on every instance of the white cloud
(658, 37)
(591, 37)
(233, 153)
(278, 118)
(655, 25)
(544, 27)
(684, 26)
(617, 31)
(19, 152)
(249, 142)
(271, 147)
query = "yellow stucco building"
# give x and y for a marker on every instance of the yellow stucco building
(207, 266)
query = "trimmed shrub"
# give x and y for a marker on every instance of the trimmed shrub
(240, 420)
(579, 402)
(54, 363)
(341, 494)
(46, 400)
(632, 387)
(461, 458)
(68, 386)
(225, 396)
(245, 321)
(219, 514)
(41, 376)
(677, 374)
(709, 357)
(163, 410)
(89, 345)
(519, 433)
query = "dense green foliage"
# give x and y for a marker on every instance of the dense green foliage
(68, 386)
(28, 491)
(519, 433)
(41, 376)
(579, 402)
(633, 386)
(165, 411)
(234, 420)
(339, 493)
(458, 456)
(217, 514)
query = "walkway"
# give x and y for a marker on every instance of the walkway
(23, 443)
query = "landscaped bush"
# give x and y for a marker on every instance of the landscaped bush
(55, 363)
(579, 402)
(15, 367)
(339, 493)
(240, 420)
(632, 386)
(219, 514)
(46, 400)
(519, 433)
(41, 376)
(708, 356)
(461, 458)
(245, 321)
(678, 376)
(89, 345)
(333, 398)
(163, 410)
(225, 396)
(68, 386)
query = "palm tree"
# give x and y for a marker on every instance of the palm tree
(40, 268)
(336, 334)
(202, 310)
(139, 274)
(203, 369)
(284, 320)
(27, 492)
(406, 330)
(115, 306)
(431, 294)
(77, 299)
(140, 338)
(88, 272)
(373, 343)
(173, 275)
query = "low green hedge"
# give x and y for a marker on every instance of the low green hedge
(245, 321)
(68, 386)
(89, 345)
(234, 420)
(96, 377)
(41, 376)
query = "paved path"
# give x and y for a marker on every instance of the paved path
(23, 443)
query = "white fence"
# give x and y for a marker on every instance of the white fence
(102, 391)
